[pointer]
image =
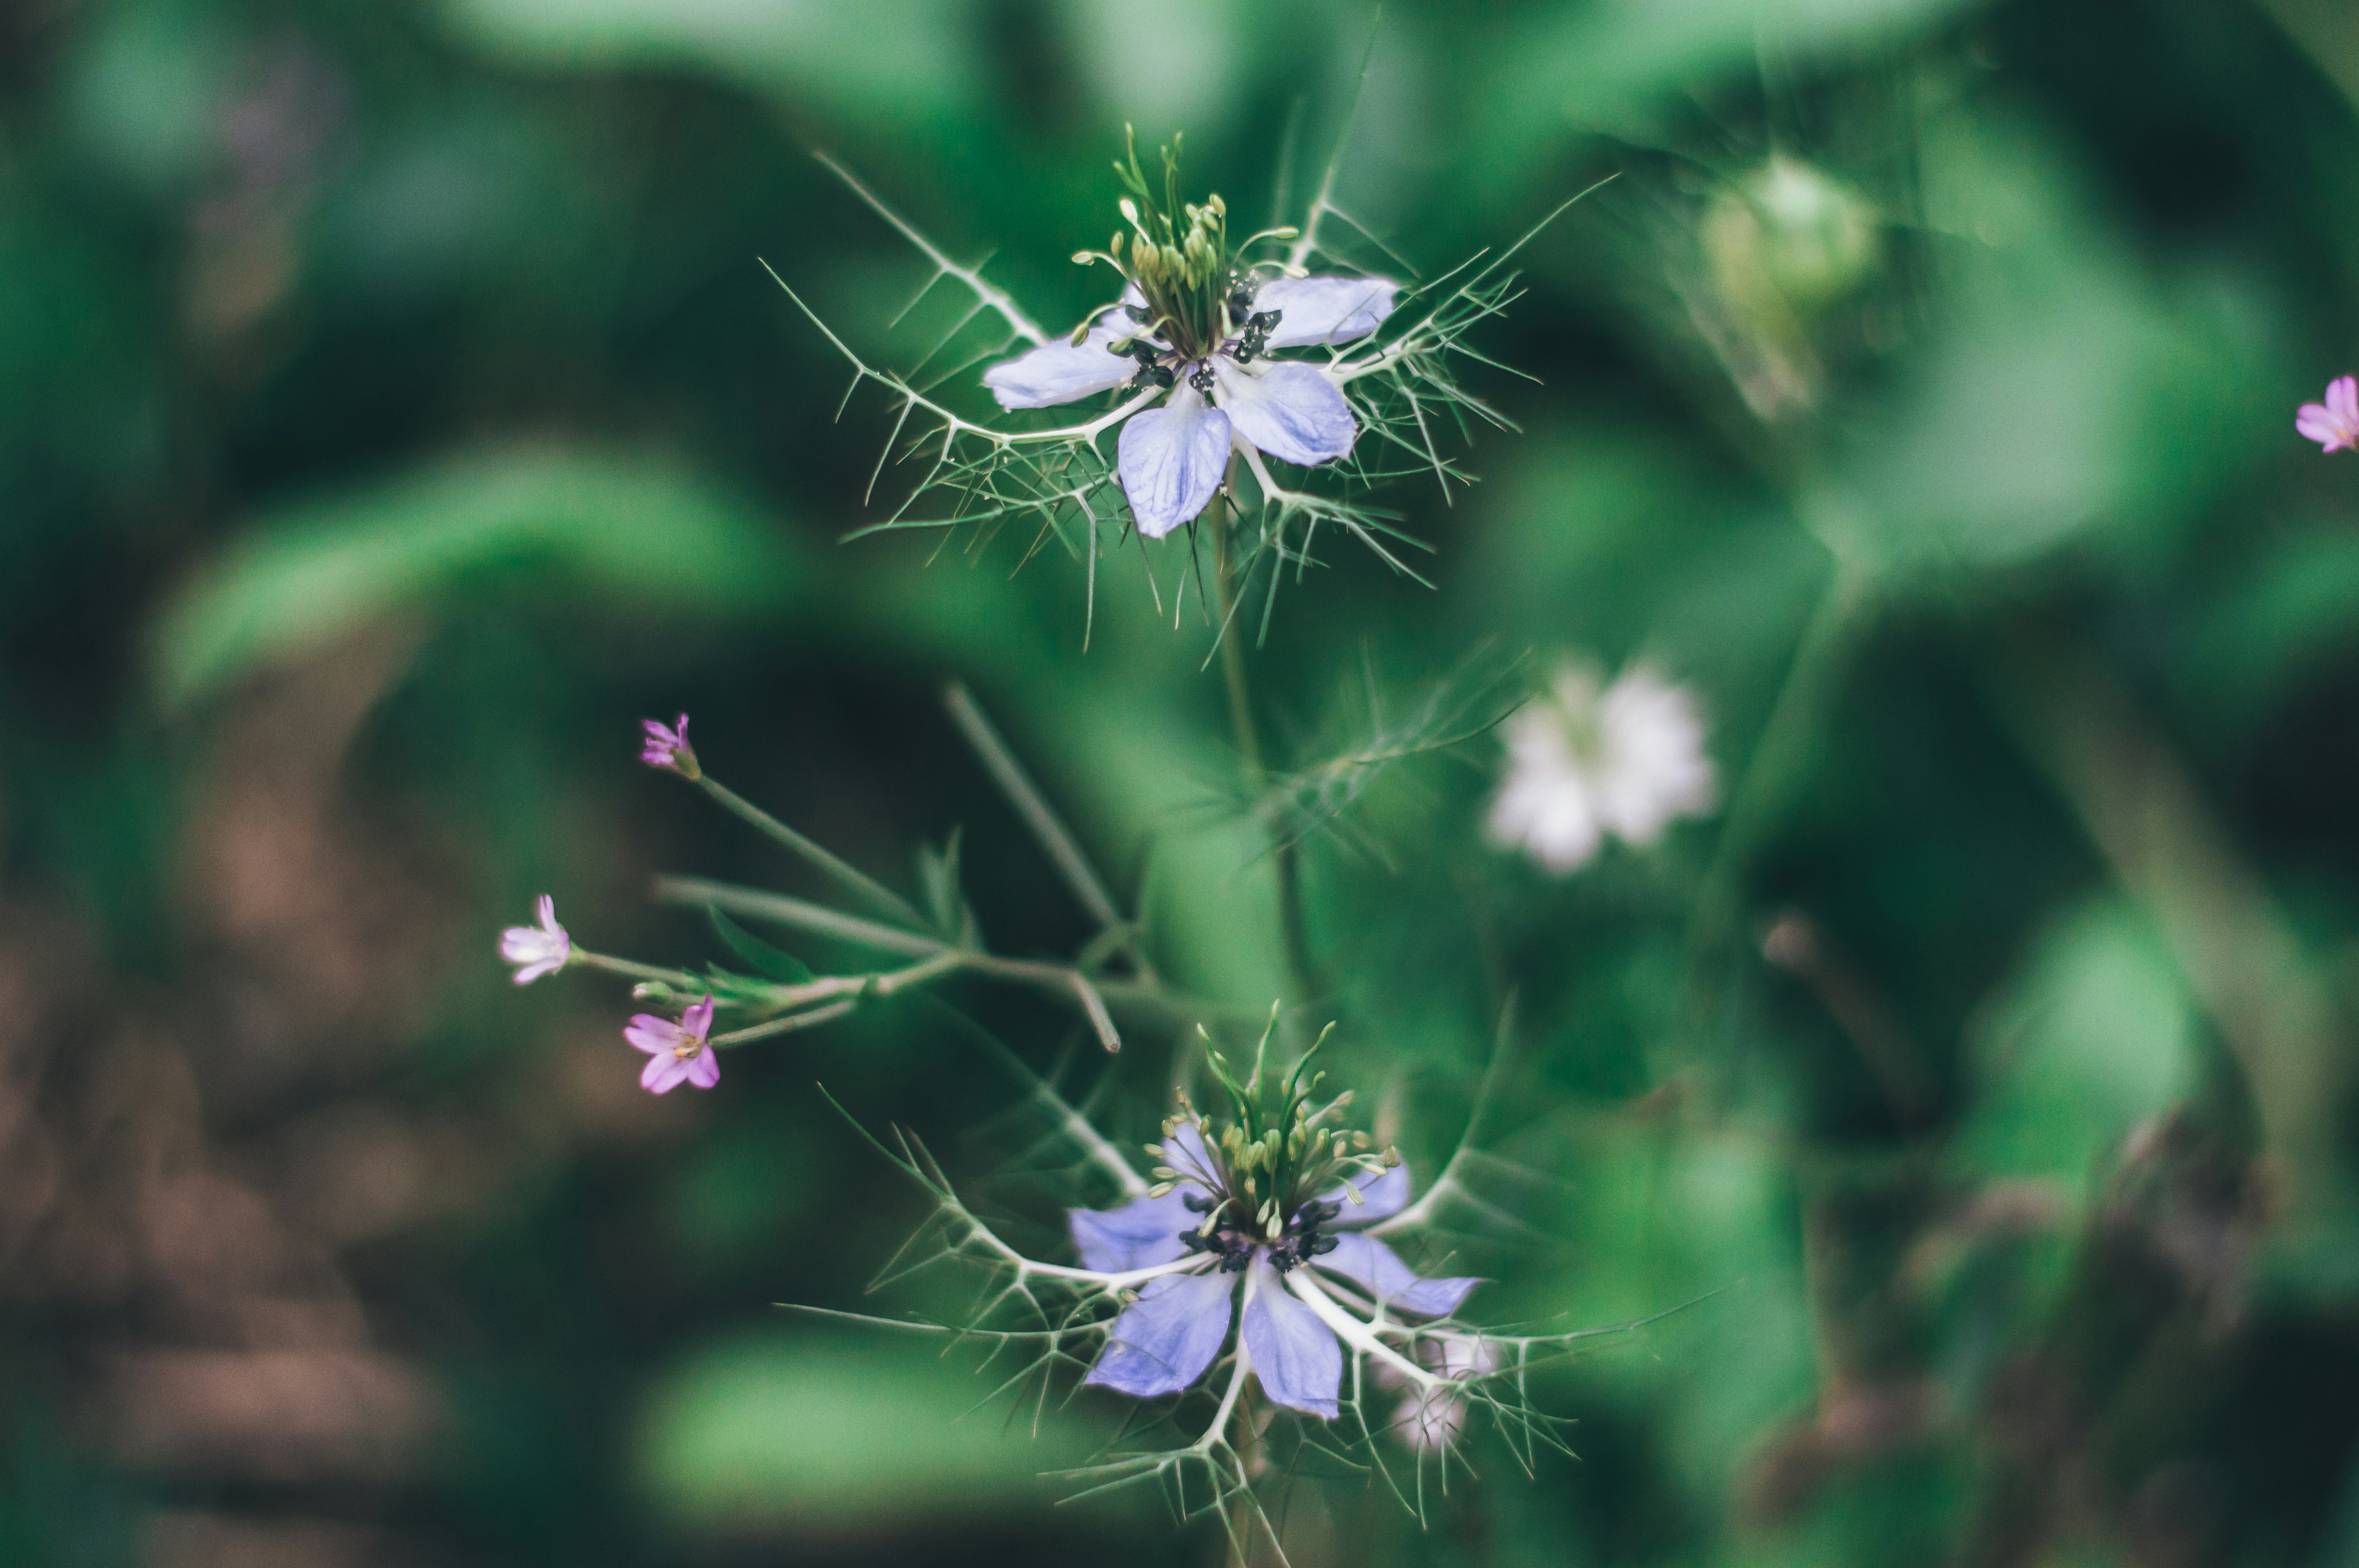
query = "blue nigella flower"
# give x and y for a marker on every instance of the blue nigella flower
(1300, 1257)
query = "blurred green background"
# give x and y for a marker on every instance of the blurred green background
(393, 409)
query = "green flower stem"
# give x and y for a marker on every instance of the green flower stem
(876, 892)
(1778, 759)
(1293, 928)
(679, 979)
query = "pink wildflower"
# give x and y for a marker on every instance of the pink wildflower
(676, 1053)
(666, 746)
(536, 950)
(2333, 423)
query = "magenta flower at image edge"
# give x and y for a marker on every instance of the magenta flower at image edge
(1172, 456)
(2333, 423)
(1164, 1341)
(676, 1053)
(536, 950)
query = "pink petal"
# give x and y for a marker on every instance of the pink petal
(662, 1073)
(697, 1021)
(704, 1068)
(653, 1034)
(2342, 397)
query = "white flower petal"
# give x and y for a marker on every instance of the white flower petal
(1287, 410)
(1171, 459)
(1060, 372)
(1325, 309)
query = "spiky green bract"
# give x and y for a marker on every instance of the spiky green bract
(1279, 1154)
(1186, 276)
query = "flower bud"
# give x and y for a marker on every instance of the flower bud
(652, 990)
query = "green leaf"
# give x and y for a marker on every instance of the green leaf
(2096, 1034)
(904, 57)
(645, 533)
(773, 962)
(833, 1433)
(946, 905)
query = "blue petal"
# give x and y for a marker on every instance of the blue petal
(1377, 1270)
(1288, 410)
(1060, 372)
(1325, 309)
(1171, 460)
(1379, 1199)
(1294, 1354)
(1146, 1231)
(1163, 1341)
(1136, 1236)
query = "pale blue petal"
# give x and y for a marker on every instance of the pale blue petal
(1381, 1198)
(1136, 1236)
(1163, 1341)
(1171, 460)
(1294, 1354)
(1146, 1231)
(1287, 410)
(1378, 1269)
(1325, 309)
(1059, 371)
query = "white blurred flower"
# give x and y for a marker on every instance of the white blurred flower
(1431, 1419)
(1586, 759)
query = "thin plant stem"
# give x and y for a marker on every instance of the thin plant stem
(1293, 929)
(859, 881)
(680, 978)
(1762, 790)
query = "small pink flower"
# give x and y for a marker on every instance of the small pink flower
(666, 746)
(2333, 423)
(536, 950)
(676, 1053)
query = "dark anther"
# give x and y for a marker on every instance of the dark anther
(1152, 375)
(1241, 293)
(1200, 378)
(1256, 337)
(1318, 1246)
(1234, 1263)
(1196, 1203)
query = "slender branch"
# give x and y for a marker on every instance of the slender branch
(795, 911)
(788, 1025)
(626, 967)
(991, 294)
(851, 876)
(1025, 796)
(1221, 517)
(1794, 718)
(1096, 996)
